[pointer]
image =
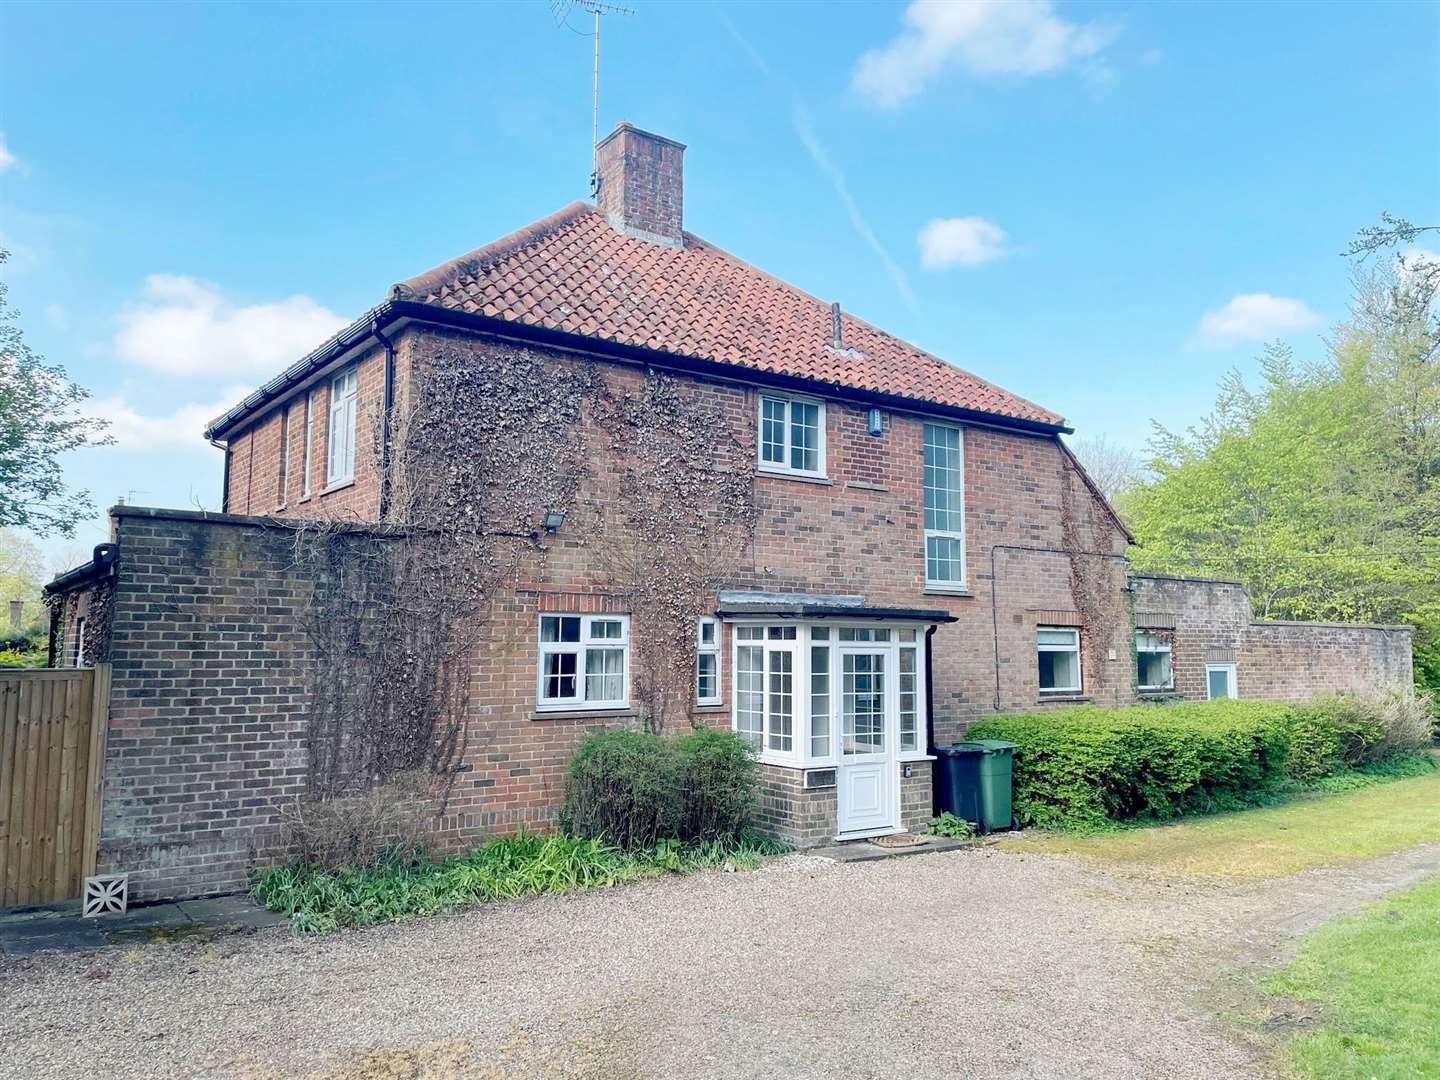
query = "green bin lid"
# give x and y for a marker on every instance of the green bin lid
(995, 746)
(970, 747)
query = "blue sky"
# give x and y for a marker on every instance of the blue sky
(1100, 206)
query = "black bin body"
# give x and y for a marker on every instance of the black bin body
(957, 780)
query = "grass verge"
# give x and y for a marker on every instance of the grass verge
(1376, 977)
(1308, 830)
(319, 900)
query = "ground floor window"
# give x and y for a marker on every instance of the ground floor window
(79, 643)
(584, 661)
(1058, 648)
(707, 661)
(817, 693)
(1152, 658)
(1220, 681)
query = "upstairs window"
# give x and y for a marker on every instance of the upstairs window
(707, 661)
(1059, 652)
(309, 443)
(343, 389)
(792, 436)
(583, 661)
(1152, 658)
(944, 507)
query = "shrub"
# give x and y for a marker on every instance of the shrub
(1084, 768)
(1407, 718)
(634, 790)
(393, 820)
(1332, 732)
(720, 784)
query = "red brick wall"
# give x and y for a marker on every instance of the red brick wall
(1274, 661)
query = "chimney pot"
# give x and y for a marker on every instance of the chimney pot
(642, 184)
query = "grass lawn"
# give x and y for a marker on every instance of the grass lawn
(1272, 842)
(1376, 977)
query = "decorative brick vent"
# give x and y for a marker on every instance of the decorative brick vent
(106, 894)
(819, 778)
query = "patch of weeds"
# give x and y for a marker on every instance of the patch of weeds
(399, 887)
(951, 827)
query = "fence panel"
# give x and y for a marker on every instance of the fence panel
(52, 739)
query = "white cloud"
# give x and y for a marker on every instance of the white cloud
(962, 241)
(186, 327)
(1256, 317)
(56, 315)
(8, 160)
(178, 430)
(984, 38)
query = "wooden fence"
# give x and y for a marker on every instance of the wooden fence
(52, 741)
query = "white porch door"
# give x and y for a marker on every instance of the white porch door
(866, 785)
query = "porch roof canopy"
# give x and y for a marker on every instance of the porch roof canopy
(820, 606)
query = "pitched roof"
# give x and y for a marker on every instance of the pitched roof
(574, 273)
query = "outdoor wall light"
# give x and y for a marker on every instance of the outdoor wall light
(553, 520)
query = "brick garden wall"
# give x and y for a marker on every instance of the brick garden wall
(1210, 621)
(205, 738)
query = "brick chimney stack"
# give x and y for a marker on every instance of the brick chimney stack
(642, 184)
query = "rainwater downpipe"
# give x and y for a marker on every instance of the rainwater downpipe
(385, 417)
(995, 592)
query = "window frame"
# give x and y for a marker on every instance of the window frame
(802, 648)
(1232, 682)
(933, 584)
(1161, 647)
(581, 648)
(346, 403)
(710, 649)
(821, 471)
(284, 493)
(1040, 647)
(79, 657)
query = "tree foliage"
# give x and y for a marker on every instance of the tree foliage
(39, 422)
(1319, 488)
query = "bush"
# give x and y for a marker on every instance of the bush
(1084, 768)
(719, 786)
(634, 790)
(398, 887)
(1333, 732)
(1407, 718)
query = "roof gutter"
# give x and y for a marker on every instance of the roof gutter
(391, 311)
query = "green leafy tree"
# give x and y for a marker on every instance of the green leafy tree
(39, 422)
(1320, 488)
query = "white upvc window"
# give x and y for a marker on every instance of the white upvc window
(79, 642)
(789, 681)
(584, 662)
(1220, 681)
(944, 507)
(707, 661)
(284, 494)
(1059, 655)
(343, 391)
(1154, 670)
(792, 436)
(309, 443)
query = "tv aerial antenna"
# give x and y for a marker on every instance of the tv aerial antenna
(561, 9)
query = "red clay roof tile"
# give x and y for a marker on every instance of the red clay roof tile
(572, 269)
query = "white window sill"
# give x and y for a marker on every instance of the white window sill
(566, 712)
(936, 589)
(1063, 695)
(710, 706)
(338, 485)
(912, 755)
(802, 477)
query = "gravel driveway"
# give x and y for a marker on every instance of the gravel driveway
(969, 963)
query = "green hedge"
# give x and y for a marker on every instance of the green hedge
(1084, 768)
(634, 790)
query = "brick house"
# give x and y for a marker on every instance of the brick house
(924, 551)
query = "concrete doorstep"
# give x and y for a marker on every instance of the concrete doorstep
(59, 926)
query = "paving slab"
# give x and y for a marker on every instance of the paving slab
(59, 926)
